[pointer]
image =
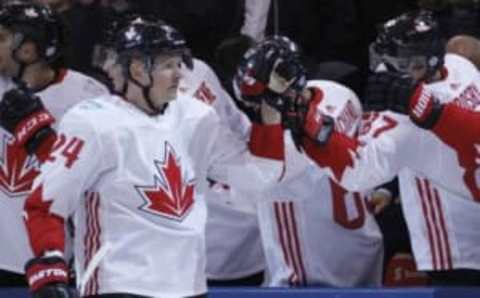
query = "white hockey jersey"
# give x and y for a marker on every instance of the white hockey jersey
(17, 170)
(314, 232)
(438, 199)
(133, 182)
(242, 255)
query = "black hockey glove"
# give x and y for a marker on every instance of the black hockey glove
(24, 116)
(47, 277)
(388, 91)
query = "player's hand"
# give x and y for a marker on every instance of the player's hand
(47, 277)
(380, 200)
(23, 115)
(388, 91)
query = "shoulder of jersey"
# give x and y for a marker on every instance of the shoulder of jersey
(460, 68)
(103, 111)
(5, 84)
(200, 67)
(193, 108)
(330, 88)
(79, 82)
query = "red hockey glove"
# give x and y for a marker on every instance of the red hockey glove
(424, 109)
(23, 115)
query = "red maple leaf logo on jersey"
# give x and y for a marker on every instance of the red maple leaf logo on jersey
(172, 195)
(17, 169)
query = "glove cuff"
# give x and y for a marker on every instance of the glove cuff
(38, 139)
(424, 110)
(46, 270)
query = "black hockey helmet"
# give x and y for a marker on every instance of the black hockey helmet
(145, 40)
(37, 23)
(148, 39)
(270, 71)
(105, 48)
(410, 40)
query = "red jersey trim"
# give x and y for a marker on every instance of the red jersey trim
(45, 229)
(267, 141)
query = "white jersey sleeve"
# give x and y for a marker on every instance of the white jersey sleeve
(385, 145)
(203, 84)
(74, 164)
(231, 163)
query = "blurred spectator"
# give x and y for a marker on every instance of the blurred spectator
(83, 21)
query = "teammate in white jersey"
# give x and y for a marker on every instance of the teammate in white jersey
(313, 224)
(240, 260)
(200, 82)
(439, 194)
(31, 49)
(131, 168)
(310, 224)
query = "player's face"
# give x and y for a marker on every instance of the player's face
(7, 64)
(166, 76)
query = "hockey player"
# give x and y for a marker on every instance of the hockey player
(224, 218)
(439, 193)
(310, 207)
(31, 48)
(133, 180)
(307, 207)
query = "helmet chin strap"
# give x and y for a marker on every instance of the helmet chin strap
(18, 77)
(146, 93)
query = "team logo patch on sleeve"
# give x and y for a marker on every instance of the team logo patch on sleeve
(171, 195)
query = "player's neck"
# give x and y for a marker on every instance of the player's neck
(136, 97)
